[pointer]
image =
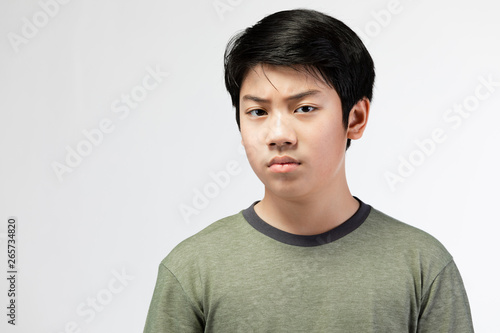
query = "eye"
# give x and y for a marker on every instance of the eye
(257, 113)
(305, 109)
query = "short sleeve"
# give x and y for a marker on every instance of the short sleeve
(171, 310)
(445, 307)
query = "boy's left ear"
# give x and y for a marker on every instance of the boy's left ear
(358, 118)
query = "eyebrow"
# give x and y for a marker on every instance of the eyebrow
(290, 98)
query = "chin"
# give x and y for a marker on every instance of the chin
(286, 191)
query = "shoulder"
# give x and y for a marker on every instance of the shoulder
(386, 223)
(209, 242)
(409, 240)
(400, 247)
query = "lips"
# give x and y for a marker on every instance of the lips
(282, 164)
(282, 160)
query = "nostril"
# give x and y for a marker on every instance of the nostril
(280, 144)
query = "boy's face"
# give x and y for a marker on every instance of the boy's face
(292, 131)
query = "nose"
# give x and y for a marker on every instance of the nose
(280, 132)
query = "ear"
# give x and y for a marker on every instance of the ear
(358, 118)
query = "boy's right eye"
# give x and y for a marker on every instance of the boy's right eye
(257, 113)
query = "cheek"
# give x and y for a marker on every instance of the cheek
(251, 148)
(327, 145)
(328, 136)
(253, 139)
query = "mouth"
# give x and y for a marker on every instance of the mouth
(283, 164)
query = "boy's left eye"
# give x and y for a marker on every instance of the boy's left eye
(305, 109)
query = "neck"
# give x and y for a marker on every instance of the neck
(310, 214)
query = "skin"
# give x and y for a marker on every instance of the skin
(288, 112)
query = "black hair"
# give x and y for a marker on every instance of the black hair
(322, 45)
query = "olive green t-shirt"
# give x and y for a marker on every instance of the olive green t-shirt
(370, 274)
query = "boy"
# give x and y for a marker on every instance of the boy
(308, 257)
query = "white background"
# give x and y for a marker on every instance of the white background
(118, 211)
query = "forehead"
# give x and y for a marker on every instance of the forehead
(265, 79)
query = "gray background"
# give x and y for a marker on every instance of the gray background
(118, 212)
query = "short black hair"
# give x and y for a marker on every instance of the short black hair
(321, 44)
